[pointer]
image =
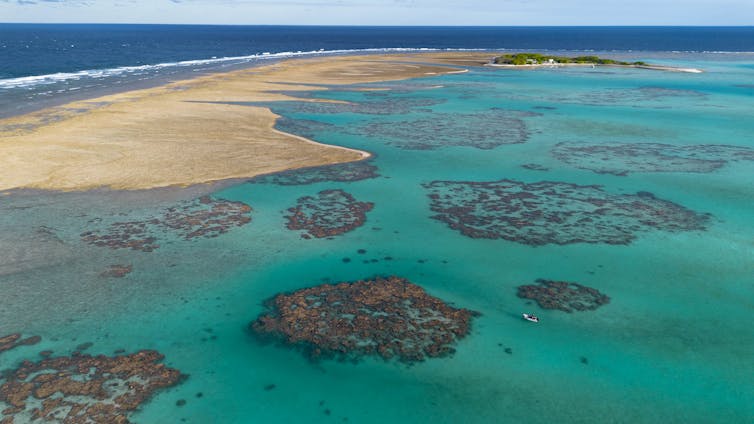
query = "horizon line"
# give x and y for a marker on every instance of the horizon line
(379, 26)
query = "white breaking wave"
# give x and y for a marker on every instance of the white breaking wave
(36, 80)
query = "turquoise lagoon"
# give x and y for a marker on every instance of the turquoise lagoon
(675, 344)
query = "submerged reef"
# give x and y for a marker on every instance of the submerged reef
(302, 127)
(206, 218)
(483, 130)
(135, 235)
(344, 172)
(563, 295)
(550, 212)
(202, 218)
(388, 88)
(383, 106)
(622, 158)
(535, 167)
(388, 317)
(647, 96)
(329, 213)
(116, 271)
(12, 341)
(82, 388)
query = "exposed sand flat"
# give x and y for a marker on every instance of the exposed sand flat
(183, 133)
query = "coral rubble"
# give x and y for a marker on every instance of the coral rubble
(563, 295)
(550, 212)
(623, 158)
(329, 213)
(389, 317)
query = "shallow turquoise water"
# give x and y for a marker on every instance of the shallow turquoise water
(674, 344)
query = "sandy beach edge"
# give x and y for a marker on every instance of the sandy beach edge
(197, 131)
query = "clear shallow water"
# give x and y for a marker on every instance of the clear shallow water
(674, 344)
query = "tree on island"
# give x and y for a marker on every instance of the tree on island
(539, 59)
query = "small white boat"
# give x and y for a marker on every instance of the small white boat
(530, 317)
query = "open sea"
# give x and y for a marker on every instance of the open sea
(638, 184)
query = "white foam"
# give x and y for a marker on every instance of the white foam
(31, 81)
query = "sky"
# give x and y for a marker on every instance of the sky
(384, 12)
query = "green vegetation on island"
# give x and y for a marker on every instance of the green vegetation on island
(540, 59)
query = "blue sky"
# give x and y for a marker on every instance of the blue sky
(385, 12)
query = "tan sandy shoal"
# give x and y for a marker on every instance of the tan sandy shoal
(182, 133)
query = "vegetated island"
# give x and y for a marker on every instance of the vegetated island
(531, 60)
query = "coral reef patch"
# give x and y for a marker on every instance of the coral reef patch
(135, 235)
(563, 295)
(202, 218)
(329, 213)
(386, 317)
(344, 172)
(82, 388)
(12, 341)
(388, 105)
(302, 127)
(116, 271)
(647, 96)
(550, 212)
(622, 158)
(483, 130)
(535, 167)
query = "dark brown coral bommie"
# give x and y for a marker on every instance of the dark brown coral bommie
(12, 341)
(389, 317)
(563, 295)
(329, 213)
(82, 389)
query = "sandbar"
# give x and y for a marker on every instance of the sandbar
(191, 132)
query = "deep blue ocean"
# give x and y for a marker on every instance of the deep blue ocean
(45, 64)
